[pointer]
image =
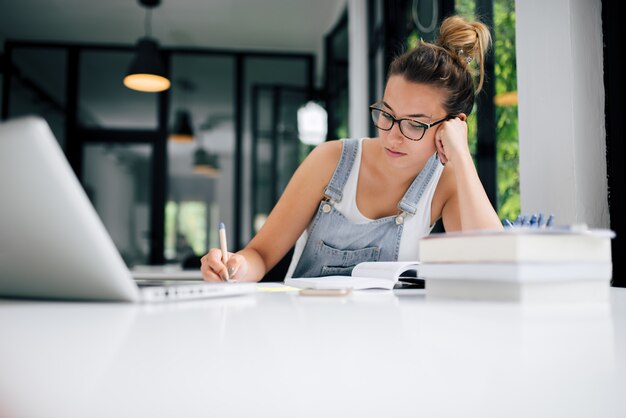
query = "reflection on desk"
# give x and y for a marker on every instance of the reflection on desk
(278, 354)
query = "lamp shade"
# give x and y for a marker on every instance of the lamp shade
(183, 129)
(205, 163)
(146, 71)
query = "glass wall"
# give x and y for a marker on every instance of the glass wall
(337, 83)
(117, 153)
(199, 197)
(276, 148)
(117, 181)
(263, 152)
(266, 74)
(376, 56)
(505, 73)
(160, 199)
(507, 132)
(38, 86)
(291, 150)
(104, 102)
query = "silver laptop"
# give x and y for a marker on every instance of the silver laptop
(53, 244)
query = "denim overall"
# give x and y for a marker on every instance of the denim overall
(335, 245)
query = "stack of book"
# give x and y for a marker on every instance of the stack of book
(565, 263)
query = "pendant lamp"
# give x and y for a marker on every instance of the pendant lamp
(205, 163)
(183, 129)
(147, 72)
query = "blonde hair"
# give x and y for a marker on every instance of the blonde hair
(467, 42)
(449, 62)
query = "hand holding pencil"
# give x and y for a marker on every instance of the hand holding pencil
(218, 265)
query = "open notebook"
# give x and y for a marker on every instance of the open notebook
(366, 275)
(53, 244)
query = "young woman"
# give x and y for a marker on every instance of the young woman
(372, 199)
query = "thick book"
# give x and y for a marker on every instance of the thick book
(517, 272)
(366, 275)
(525, 282)
(557, 244)
(531, 292)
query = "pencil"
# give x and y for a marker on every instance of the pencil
(224, 248)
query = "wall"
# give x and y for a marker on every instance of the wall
(561, 110)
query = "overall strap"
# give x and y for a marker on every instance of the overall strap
(408, 204)
(334, 190)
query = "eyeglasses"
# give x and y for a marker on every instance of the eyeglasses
(412, 129)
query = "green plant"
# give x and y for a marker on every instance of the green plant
(505, 69)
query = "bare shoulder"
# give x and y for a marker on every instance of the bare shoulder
(323, 159)
(327, 152)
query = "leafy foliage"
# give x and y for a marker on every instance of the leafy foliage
(507, 143)
(507, 149)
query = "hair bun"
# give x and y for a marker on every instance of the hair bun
(465, 41)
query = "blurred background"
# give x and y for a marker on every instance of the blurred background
(253, 87)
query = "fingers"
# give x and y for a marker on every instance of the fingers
(236, 266)
(451, 139)
(440, 148)
(212, 268)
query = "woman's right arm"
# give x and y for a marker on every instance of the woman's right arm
(285, 223)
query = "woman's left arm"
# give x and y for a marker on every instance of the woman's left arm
(468, 206)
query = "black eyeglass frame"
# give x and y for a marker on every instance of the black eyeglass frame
(426, 126)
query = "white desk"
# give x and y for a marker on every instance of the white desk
(283, 355)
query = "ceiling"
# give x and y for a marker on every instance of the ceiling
(285, 25)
